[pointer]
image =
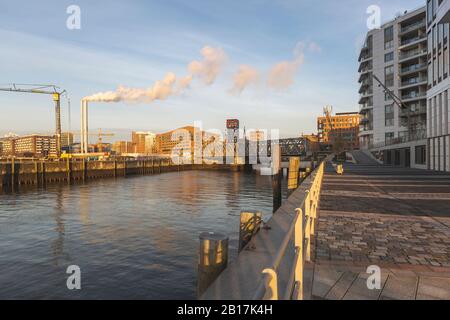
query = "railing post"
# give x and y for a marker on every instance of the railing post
(299, 237)
(271, 284)
(308, 226)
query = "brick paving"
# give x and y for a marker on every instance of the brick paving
(396, 218)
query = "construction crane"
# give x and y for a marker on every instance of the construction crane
(49, 89)
(396, 100)
(100, 136)
(327, 111)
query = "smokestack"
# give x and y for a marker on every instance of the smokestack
(84, 126)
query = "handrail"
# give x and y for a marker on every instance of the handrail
(302, 228)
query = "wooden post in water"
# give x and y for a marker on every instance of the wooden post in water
(83, 176)
(43, 181)
(212, 259)
(294, 166)
(250, 222)
(36, 171)
(276, 177)
(68, 170)
(13, 173)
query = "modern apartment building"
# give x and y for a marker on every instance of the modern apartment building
(396, 54)
(342, 128)
(143, 141)
(121, 147)
(438, 111)
(30, 146)
(66, 139)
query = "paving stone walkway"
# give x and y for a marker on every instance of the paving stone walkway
(397, 219)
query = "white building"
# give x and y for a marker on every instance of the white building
(396, 54)
(438, 111)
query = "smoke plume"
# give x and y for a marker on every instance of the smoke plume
(207, 69)
(245, 76)
(160, 90)
(282, 74)
(211, 65)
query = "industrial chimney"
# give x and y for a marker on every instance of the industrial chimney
(84, 126)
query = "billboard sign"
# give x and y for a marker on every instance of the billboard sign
(233, 124)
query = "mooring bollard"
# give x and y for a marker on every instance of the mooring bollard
(250, 222)
(212, 259)
(294, 166)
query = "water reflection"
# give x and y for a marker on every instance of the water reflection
(132, 238)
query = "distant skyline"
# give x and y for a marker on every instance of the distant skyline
(298, 55)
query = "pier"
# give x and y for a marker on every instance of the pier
(397, 219)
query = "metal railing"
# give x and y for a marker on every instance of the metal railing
(413, 67)
(413, 26)
(411, 53)
(408, 41)
(413, 136)
(301, 230)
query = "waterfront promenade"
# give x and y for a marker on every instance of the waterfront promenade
(395, 218)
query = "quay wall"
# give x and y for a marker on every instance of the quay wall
(41, 172)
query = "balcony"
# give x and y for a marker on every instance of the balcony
(412, 54)
(407, 42)
(365, 66)
(365, 107)
(413, 82)
(365, 95)
(413, 111)
(413, 68)
(414, 95)
(366, 53)
(366, 130)
(414, 26)
(365, 85)
(364, 121)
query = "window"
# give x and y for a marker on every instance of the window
(389, 76)
(445, 52)
(389, 38)
(389, 136)
(429, 11)
(435, 61)
(421, 154)
(389, 57)
(403, 136)
(389, 116)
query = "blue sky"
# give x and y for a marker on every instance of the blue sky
(135, 43)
